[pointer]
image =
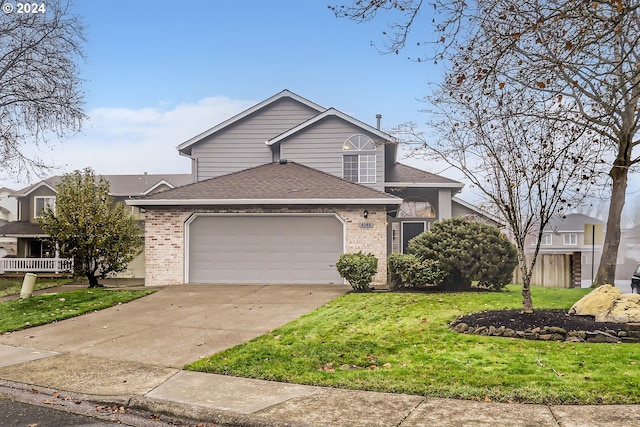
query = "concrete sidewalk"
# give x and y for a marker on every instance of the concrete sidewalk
(246, 402)
(88, 359)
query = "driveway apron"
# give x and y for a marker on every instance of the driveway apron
(178, 324)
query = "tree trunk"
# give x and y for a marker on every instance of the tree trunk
(607, 269)
(93, 281)
(527, 302)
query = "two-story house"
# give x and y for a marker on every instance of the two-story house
(35, 252)
(8, 212)
(568, 256)
(281, 190)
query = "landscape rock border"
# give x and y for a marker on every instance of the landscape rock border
(631, 333)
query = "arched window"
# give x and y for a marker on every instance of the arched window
(415, 207)
(357, 164)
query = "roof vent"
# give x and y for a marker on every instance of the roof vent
(283, 161)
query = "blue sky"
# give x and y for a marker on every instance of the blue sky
(158, 72)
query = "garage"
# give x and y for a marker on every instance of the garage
(270, 249)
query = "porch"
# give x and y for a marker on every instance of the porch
(36, 265)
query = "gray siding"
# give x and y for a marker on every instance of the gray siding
(242, 145)
(27, 204)
(320, 147)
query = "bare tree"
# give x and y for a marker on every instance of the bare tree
(578, 53)
(529, 170)
(40, 91)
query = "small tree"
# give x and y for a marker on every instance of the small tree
(87, 225)
(468, 251)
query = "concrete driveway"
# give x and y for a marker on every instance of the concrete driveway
(178, 324)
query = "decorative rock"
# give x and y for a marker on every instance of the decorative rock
(633, 327)
(574, 339)
(481, 330)
(597, 301)
(623, 310)
(607, 304)
(499, 332)
(461, 327)
(555, 330)
(601, 337)
(509, 333)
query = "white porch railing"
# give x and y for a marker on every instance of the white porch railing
(36, 265)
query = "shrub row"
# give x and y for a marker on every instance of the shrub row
(455, 253)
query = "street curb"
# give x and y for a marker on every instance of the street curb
(200, 413)
(22, 391)
(35, 394)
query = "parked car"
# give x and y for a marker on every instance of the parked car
(635, 281)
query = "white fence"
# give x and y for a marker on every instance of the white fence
(36, 265)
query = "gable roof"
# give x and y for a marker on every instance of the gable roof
(571, 223)
(331, 112)
(401, 175)
(480, 212)
(119, 185)
(280, 183)
(185, 147)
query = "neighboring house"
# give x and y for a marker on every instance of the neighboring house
(281, 190)
(8, 212)
(628, 254)
(565, 260)
(35, 252)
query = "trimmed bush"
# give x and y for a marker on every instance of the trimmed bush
(358, 269)
(468, 251)
(409, 271)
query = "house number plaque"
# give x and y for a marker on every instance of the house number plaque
(366, 225)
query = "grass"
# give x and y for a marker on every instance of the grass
(400, 343)
(42, 309)
(13, 286)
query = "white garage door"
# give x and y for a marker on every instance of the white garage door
(264, 249)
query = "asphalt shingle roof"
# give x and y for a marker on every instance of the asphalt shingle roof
(21, 228)
(289, 181)
(399, 172)
(122, 185)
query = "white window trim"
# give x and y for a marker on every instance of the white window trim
(360, 180)
(571, 236)
(35, 204)
(547, 239)
(361, 145)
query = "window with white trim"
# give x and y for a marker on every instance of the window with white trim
(547, 239)
(357, 164)
(42, 202)
(571, 239)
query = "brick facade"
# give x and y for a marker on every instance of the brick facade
(165, 237)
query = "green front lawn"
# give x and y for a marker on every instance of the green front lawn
(400, 343)
(13, 286)
(39, 310)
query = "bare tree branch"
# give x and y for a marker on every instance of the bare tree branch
(40, 91)
(580, 56)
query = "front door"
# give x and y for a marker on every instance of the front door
(411, 229)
